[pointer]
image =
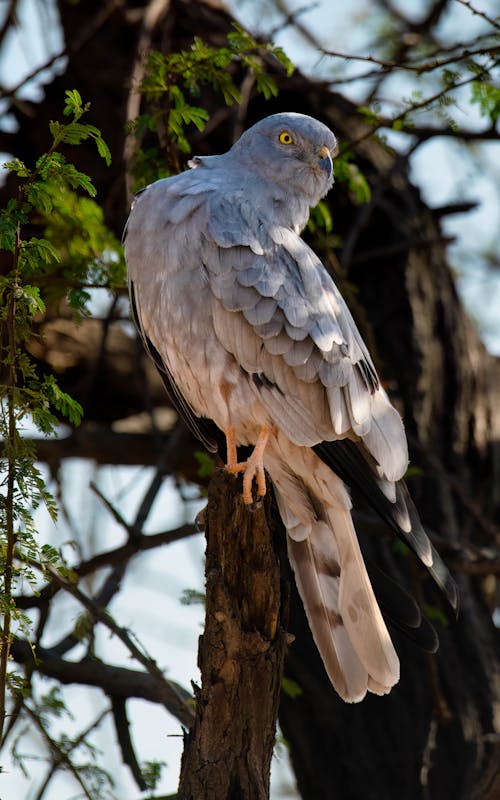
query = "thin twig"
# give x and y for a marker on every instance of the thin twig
(111, 679)
(299, 26)
(183, 711)
(419, 69)
(62, 756)
(479, 13)
(388, 122)
(109, 557)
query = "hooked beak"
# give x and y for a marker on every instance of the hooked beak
(325, 160)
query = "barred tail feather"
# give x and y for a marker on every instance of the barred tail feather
(343, 614)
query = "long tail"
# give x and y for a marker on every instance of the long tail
(343, 614)
(331, 577)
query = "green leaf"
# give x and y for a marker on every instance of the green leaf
(369, 115)
(266, 85)
(321, 218)
(284, 60)
(487, 97)
(436, 614)
(18, 167)
(206, 464)
(151, 772)
(8, 232)
(191, 597)
(103, 150)
(291, 688)
(357, 183)
(32, 295)
(73, 103)
(38, 195)
(61, 401)
(44, 249)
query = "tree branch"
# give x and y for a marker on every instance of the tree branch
(122, 727)
(419, 69)
(177, 702)
(112, 680)
(120, 554)
(478, 13)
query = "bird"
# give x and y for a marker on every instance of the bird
(254, 340)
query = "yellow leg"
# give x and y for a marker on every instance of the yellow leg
(232, 465)
(252, 468)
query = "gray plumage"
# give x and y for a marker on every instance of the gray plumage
(252, 332)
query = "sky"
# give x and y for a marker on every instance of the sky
(155, 583)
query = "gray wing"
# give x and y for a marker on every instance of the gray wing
(276, 309)
(202, 428)
(172, 200)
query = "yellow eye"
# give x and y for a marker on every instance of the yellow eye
(285, 138)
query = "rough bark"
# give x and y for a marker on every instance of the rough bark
(228, 751)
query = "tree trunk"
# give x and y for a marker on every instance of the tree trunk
(227, 754)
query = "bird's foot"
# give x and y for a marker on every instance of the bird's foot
(252, 468)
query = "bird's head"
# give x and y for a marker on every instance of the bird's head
(292, 151)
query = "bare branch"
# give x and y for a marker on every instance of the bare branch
(61, 757)
(479, 13)
(122, 727)
(114, 681)
(292, 16)
(389, 122)
(177, 702)
(419, 69)
(109, 557)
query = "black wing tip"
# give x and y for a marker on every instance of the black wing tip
(348, 461)
(452, 595)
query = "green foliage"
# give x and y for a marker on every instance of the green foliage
(370, 115)
(173, 82)
(414, 471)
(320, 218)
(206, 464)
(191, 597)
(436, 614)
(399, 547)
(291, 688)
(345, 170)
(151, 772)
(487, 97)
(53, 240)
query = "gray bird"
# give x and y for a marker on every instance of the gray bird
(250, 331)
